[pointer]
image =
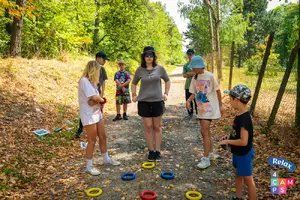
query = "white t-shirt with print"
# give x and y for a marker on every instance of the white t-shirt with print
(88, 115)
(204, 88)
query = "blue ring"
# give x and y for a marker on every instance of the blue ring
(128, 176)
(167, 175)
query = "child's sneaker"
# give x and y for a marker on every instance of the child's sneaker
(212, 156)
(125, 116)
(92, 171)
(117, 118)
(157, 155)
(236, 198)
(204, 163)
(111, 161)
(151, 156)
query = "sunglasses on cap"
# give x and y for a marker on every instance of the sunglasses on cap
(149, 55)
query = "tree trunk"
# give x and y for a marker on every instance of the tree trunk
(239, 51)
(262, 72)
(231, 65)
(283, 84)
(211, 31)
(218, 45)
(16, 35)
(97, 24)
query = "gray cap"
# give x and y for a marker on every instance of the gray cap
(241, 92)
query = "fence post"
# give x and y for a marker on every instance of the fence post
(262, 72)
(231, 65)
(297, 114)
(285, 79)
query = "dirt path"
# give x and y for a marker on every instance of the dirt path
(181, 151)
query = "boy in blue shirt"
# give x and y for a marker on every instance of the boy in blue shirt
(240, 141)
(122, 79)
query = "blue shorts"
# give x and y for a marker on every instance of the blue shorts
(243, 164)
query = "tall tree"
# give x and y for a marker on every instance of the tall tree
(253, 10)
(17, 26)
(215, 12)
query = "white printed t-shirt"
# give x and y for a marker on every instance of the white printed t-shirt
(88, 115)
(204, 88)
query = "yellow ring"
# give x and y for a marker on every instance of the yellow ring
(89, 194)
(199, 195)
(148, 165)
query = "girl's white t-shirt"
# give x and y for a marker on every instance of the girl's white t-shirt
(88, 115)
(204, 88)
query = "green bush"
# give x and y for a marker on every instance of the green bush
(254, 63)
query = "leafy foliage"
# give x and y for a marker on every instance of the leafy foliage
(55, 28)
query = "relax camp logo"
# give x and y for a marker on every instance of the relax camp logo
(280, 185)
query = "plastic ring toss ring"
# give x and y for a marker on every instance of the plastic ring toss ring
(148, 165)
(193, 195)
(128, 176)
(90, 194)
(146, 195)
(167, 175)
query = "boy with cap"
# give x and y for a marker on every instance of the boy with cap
(188, 74)
(241, 141)
(122, 79)
(101, 58)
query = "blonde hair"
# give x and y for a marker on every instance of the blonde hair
(92, 71)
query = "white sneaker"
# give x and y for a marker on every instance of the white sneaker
(92, 171)
(212, 156)
(111, 161)
(204, 163)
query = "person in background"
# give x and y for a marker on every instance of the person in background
(188, 75)
(150, 99)
(122, 79)
(101, 59)
(205, 89)
(91, 115)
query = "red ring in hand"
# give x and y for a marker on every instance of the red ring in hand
(148, 192)
(104, 100)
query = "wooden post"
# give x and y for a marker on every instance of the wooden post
(231, 65)
(297, 120)
(283, 84)
(262, 72)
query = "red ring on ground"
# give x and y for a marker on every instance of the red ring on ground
(148, 192)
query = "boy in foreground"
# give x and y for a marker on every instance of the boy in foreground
(241, 141)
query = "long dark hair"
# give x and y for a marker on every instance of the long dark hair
(143, 62)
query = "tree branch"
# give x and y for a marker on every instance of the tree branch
(208, 3)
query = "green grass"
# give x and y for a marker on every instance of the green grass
(240, 76)
(268, 93)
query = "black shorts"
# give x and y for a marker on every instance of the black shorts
(151, 109)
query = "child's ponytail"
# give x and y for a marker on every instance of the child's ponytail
(196, 76)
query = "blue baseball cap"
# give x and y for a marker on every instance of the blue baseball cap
(197, 62)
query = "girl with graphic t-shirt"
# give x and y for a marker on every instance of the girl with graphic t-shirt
(205, 90)
(91, 116)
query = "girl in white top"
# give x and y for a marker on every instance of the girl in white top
(91, 116)
(205, 89)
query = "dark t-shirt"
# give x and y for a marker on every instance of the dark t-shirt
(242, 121)
(102, 78)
